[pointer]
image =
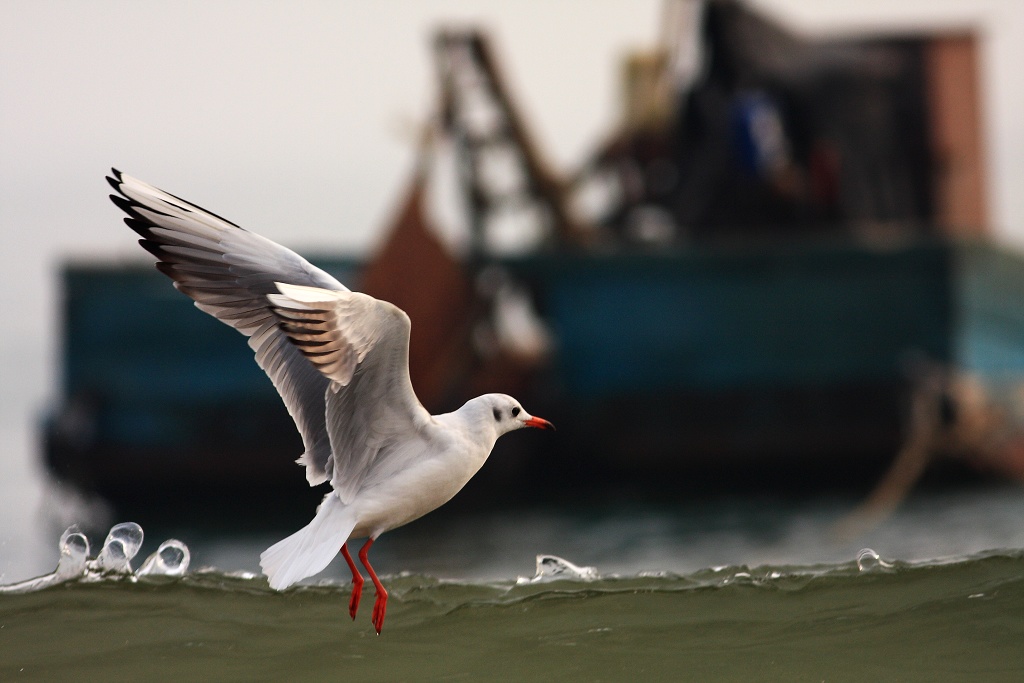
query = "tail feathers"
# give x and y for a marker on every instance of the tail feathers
(310, 549)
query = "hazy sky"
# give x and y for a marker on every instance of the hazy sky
(294, 118)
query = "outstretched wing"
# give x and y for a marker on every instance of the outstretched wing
(361, 344)
(228, 272)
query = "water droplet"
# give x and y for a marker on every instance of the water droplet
(550, 567)
(170, 559)
(122, 544)
(74, 552)
(74, 555)
(868, 559)
(130, 535)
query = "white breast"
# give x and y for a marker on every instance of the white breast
(434, 467)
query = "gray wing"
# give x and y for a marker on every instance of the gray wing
(228, 272)
(361, 344)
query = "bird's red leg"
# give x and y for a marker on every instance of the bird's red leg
(357, 582)
(380, 602)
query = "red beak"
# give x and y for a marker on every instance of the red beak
(539, 423)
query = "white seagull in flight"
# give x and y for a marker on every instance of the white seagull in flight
(340, 360)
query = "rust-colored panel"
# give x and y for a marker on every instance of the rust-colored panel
(414, 271)
(954, 98)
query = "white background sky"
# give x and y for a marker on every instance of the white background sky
(293, 118)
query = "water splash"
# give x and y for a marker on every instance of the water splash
(170, 559)
(552, 567)
(74, 553)
(868, 560)
(121, 545)
(114, 559)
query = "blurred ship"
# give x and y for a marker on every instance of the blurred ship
(749, 281)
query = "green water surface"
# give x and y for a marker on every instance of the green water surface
(958, 621)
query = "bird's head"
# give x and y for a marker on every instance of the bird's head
(504, 413)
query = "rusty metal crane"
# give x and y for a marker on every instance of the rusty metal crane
(512, 194)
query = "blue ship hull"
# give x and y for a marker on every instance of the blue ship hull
(789, 358)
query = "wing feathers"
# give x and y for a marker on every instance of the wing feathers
(228, 272)
(369, 411)
(307, 331)
(310, 318)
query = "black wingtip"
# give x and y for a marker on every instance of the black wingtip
(152, 247)
(124, 204)
(141, 227)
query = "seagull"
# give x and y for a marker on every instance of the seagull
(340, 360)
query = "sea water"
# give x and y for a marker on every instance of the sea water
(729, 589)
(646, 596)
(956, 620)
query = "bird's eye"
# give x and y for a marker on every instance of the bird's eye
(497, 415)
(515, 411)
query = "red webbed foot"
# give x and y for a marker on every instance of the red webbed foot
(380, 602)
